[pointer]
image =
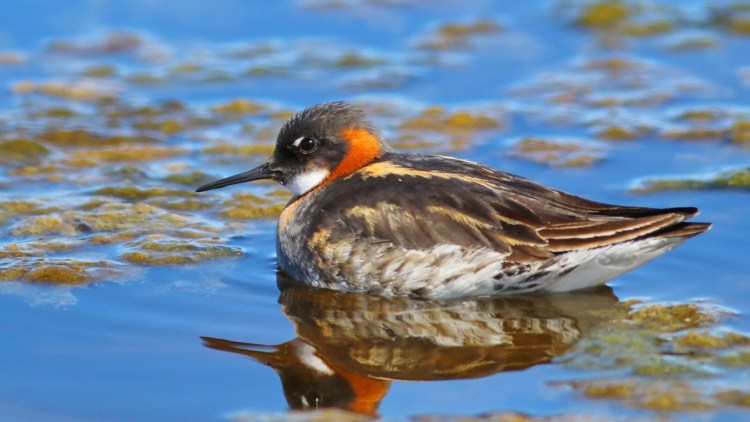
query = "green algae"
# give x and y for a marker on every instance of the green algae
(739, 359)
(604, 14)
(740, 131)
(625, 18)
(90, 158)
(677, 396)
(57, 271)
(672, 397)
(614, 390)
(57, 274)
(134, 193)
(457, 35)
(100, 71)
(695, 134)
(248, 206)
(734, 397)
(358, 60)
(675, 356)
(675, 317)
(437, 119)
(557, 153)
(77, 91)
(618, 132)
(142, 78)
(244, 212)
(239, 106)
(84, 138)
(410, 141)
(693, 340)
(166, 126)
(107, 217)
(467, 120)
(242, 150)
(186, 68)
(615, 347)
(180, 240)
(55, 112)
(693, 43)
(23, 207)
(647, 19)
(9, 58)
(15, 150)
(44, 224)
(111, 42)
(649, 28)
(112, 238)
(173, 252)
(50, 172)
(260, 71)
(616, 65)
(699, 114)
(252, 50)
(663, 368)
(733, 17)
(182, 204)
(736, 179)
(189, 178)
(128, 217)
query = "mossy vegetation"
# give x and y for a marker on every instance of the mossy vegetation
(557, 152)
(672, 357)
(457, 35)
(437, 119)
(239, 106)
(18, 150)
(248, 206)
(734, 179)
(174, 252)
(68, 272)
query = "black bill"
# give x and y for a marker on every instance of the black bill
(258, 173)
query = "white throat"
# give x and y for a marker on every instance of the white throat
(303, 182)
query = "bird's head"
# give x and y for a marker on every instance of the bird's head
(315, 147)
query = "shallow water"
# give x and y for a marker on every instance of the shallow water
(127, 297)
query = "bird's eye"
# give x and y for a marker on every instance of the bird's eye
(308, 145)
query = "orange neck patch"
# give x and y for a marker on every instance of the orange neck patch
(364, 147)
(368, 392)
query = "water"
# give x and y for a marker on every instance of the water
(125, 342)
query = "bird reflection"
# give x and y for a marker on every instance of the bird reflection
(350, 346)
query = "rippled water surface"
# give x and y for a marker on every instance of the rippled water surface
(126, 296)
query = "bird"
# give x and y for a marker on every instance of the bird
(368, 219)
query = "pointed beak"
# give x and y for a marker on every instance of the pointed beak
(258, 173)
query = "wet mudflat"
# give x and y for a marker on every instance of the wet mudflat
(127, 296)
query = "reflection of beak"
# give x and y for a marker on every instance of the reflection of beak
(258, 173)
(265, 354)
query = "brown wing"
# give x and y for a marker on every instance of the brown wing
(420, 201)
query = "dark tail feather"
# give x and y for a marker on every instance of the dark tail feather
(637, 212)
(686, 230)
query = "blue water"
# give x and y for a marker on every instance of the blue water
(132, 350)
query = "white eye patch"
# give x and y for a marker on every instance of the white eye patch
(298, 140)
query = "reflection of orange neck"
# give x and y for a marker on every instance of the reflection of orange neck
(368, 392)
